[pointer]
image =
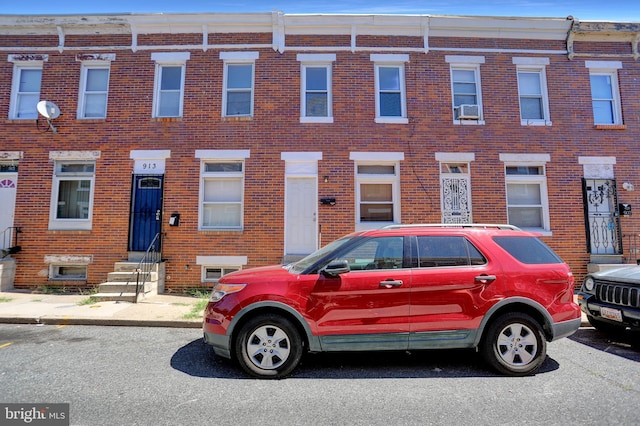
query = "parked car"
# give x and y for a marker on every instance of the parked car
(404, 287)
(611, 299)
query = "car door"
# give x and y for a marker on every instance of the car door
(449, 292)
(368, 307)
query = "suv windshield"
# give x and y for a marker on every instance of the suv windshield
(528, 250)
(304, 263)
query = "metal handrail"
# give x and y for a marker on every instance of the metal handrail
(151, 257)
(8, 235)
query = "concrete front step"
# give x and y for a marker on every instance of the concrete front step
(117, 297)
(126, 292)
(124, 276)
(123, 287)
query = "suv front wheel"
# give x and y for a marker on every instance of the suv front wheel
(268, 347)
(514, 345)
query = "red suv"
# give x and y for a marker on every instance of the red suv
(404, 287)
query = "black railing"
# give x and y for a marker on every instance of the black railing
(146, 265)
(9, 241)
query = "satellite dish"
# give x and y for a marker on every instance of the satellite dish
(48, 110)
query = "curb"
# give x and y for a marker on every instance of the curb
(47, 320)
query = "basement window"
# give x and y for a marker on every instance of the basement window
(68, 272)
(214, 273)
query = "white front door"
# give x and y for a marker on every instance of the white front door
(8, 184)
(300, 216)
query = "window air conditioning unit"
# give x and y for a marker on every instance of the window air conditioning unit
(468, 112)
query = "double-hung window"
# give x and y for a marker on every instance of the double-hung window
(169, 83)
(221, 189)
(605, 94)
(527, 198)
(465, 88)
(316, 97)
(238, 82)
(377, 188)
(25, 90)
(390, 88)
(532, 90)
(94, 88)
(72, 195)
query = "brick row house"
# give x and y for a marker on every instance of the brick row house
(229, 141)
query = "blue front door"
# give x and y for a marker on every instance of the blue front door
(146, 211)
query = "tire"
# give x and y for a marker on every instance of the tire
(268, 347)
(514, 345)
(606, 327)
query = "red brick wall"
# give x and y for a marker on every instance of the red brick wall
(276, 127)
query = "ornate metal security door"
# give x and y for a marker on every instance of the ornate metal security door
(602, 220)
(456, 205)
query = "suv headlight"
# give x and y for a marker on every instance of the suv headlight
(589, 284)
(221, 290)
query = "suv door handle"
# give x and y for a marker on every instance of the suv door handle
(485, 278)
(390, 283)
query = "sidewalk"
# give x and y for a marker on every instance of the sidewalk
(163, 310)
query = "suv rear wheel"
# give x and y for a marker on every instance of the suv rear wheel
(514, 345)
(268, 347)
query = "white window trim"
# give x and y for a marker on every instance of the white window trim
(171, 59)
(71, 224)
(394, 180)
(316, 61)
(18, 67)
(466, 63)
(541, 71)
(213, 155)
(85, 67)
(529, 160)
(609, 68)
(238, 58)
(382, 60)
(222, 262)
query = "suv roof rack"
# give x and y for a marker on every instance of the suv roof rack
(454, 225)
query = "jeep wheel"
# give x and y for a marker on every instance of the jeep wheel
(268, 347)
(514, 345)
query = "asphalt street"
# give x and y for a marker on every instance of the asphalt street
(168, 376)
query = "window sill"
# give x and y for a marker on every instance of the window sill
(237, 118)
(316, 120)
(610, 126)
(20, 120)
(469, 122)
(222, 230)
(92, 120)
(392, 120)
(543, 232)
(167, 119)
(536, 123)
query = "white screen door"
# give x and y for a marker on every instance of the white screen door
(300, 216)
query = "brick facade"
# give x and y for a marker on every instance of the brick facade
(275, 128)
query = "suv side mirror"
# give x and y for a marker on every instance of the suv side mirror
(335, 268)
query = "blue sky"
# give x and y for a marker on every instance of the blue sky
(608, 10)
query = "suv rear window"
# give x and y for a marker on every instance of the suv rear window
(528, 250)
